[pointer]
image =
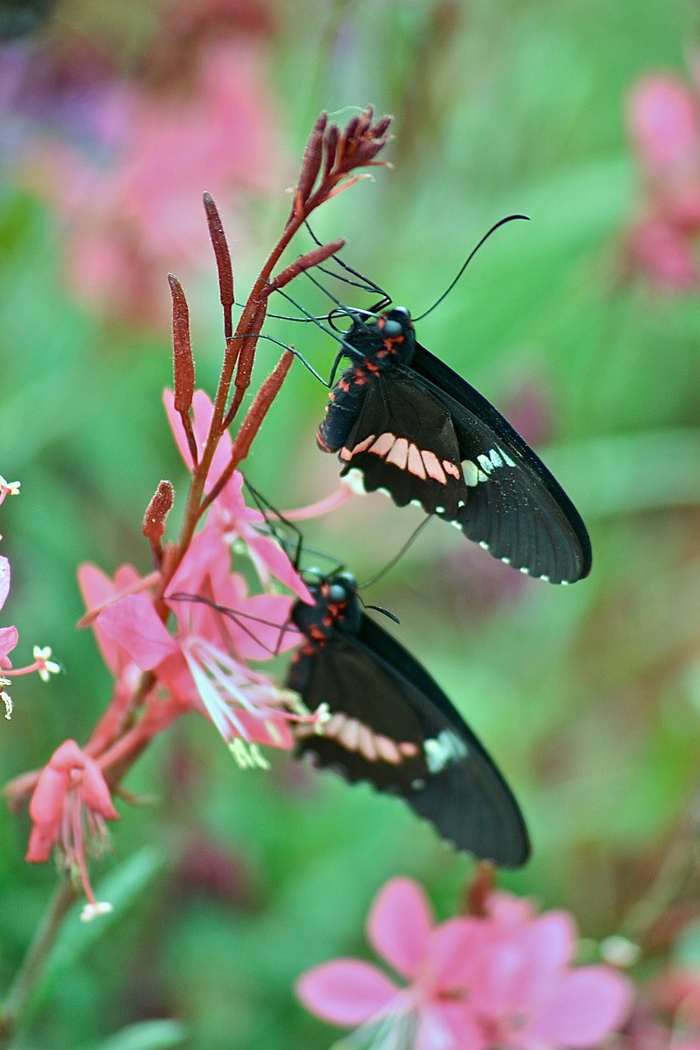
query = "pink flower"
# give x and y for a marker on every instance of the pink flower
(203, 666)
(128, 182)
(432, 1012)
(69, 807)
(664, 124)
(9, 636)
(664, 127)
(503, 981)
(525, 993)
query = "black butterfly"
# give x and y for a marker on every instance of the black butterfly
(391, 724)
(413, 428)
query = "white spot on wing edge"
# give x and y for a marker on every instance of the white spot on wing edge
(355, 480)
(471, 473)
(484, 545)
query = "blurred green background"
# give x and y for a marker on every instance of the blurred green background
(228, 885)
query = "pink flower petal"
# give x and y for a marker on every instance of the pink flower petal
(448, 1026)
(268, 555)
(455, 952)
(49, 795)
(509, 910)
(664, 253)
(399, 925)
(96, 795)
(202, 412)
(9, 636)
(583, 1008)
(4, 580)
(270, 632)
(134, 624)
(345, 992)
(97, 589)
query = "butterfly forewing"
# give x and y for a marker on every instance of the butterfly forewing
(391, 725)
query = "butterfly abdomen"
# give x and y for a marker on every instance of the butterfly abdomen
(344, 404)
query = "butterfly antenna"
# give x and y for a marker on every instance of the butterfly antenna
(501, 222)
(365, 283)
(397, 557)
(237, 616)
(333, 333)
(265, 508)
(378, 608)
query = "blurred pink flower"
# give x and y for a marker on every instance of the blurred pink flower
(203, 665)
(502, 981)
(9, 636)
(664, 128)
(199, 117)
(69, 807)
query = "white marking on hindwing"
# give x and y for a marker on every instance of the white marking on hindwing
(484, 544)
(347, 453)
(399, 454)
(355, 480)
(472, 474)
(359, 738)
(406, 455)
(445, 748)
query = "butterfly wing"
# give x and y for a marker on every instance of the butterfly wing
(393, 726)
(516, 508)
(404, 442)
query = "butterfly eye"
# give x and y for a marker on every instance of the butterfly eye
(392, 329)
(337, 592)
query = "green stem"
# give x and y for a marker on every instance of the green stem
(22, 988)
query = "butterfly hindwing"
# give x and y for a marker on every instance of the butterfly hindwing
(391, 725)
(404, 442)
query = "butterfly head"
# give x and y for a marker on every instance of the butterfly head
(336, 604)
(384, 339)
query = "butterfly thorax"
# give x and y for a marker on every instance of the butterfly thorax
(375, 346)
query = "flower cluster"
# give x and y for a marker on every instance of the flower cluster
(501, 981)
(43, 665)
(182, 638)
(126, 213)
(664, 128)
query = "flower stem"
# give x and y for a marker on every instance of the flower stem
(22, 989)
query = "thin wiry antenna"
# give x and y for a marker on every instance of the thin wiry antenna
(367, 284)
(501, 222)
(390, 564)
